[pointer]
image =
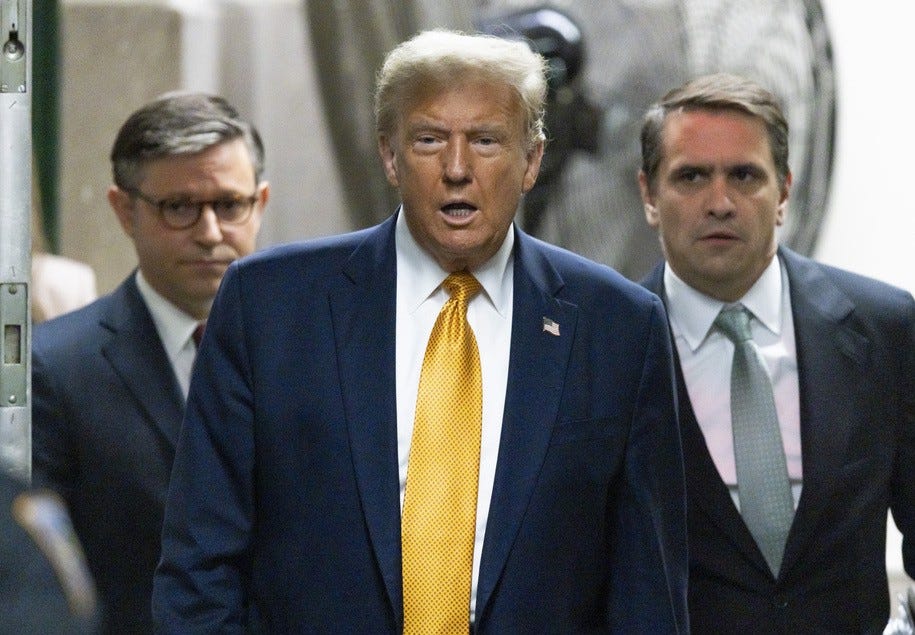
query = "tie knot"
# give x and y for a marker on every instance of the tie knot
(734, 322)
(461, 286)
(197, 335)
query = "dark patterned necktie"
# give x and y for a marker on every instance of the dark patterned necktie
(197, 335)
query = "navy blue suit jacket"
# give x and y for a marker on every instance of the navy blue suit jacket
(285, 497)
(855, 341)
(106, 410)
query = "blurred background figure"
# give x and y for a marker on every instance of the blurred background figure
(59, 284)
(45, 586)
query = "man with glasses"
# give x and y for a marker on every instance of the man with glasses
(110, 380)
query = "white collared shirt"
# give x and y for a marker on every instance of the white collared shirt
(175, 328)
(420, 298)
(706, 355)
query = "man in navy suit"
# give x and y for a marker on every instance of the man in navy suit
(110, 380)
(839, 353)
(292, 465)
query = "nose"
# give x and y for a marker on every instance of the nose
(720, 202)
(207, 230)
(456, 159)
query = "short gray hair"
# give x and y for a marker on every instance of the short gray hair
(176, 124)
(439, 57)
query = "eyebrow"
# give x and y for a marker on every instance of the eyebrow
(706, 168)
(219, 193)
(425, 123)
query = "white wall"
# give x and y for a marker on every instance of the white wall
(870, 227)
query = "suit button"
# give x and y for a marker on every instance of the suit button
(781, 602)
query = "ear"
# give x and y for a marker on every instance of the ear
(122, 205)
(534, 158)
(782, 208)
(263, 195)
(388, 158)
(651, 212)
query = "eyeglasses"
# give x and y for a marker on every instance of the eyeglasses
(178, 213)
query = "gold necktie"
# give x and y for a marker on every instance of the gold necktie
(439, 513)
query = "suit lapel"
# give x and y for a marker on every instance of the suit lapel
(827, 413)
(705, 488)
(536, 372)
(363, 309)
(137, 356)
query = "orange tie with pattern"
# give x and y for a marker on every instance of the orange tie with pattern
(440, 502)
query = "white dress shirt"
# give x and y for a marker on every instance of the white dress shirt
(706, 355)
(420, 298)
(175, 328)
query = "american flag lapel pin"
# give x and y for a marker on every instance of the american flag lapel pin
(550, 326)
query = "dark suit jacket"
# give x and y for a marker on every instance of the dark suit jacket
(106, 413)
(285, 489)
(855, 341)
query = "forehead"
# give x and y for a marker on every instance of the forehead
(471, 98)
(227, 164)
(710, 137)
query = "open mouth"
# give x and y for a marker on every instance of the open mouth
(458, 209)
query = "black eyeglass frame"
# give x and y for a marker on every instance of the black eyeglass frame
(219, 207)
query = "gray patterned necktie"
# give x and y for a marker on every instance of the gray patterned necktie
(762, 474)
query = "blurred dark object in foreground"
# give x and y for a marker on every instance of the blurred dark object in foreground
(45, 585)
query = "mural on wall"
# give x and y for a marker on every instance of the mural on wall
(611, 60)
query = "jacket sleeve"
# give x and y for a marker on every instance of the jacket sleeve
(650, 570)
(200, 584)
(53, 446)
(903, 487)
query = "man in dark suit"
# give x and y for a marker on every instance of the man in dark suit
(838, 351)
(110, 380)
(299, 448)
